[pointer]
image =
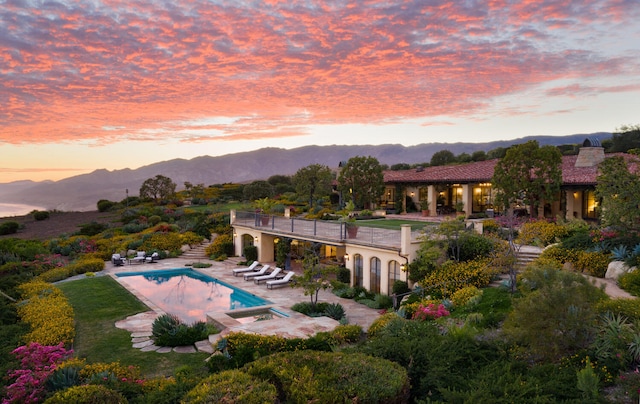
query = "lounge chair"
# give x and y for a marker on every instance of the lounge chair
(273, 275)
(283, 281)
(140, 257)
(117, 260)
(252, 267)
(261, 272)
(152, 258)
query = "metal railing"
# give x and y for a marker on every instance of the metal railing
(321, 229)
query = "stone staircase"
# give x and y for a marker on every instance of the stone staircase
(197, 253)
(526, 255)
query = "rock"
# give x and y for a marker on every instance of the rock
(617, 268)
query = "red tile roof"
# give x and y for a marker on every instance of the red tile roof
(482, 171)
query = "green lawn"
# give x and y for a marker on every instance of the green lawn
(393, 224)
(98, 303)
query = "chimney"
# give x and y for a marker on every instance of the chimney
(590, 154)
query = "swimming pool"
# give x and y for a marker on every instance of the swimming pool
(189, 294)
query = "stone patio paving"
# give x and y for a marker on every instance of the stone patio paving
(282, 298)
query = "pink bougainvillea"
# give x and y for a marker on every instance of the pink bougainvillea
(430, 312)
(37, 362)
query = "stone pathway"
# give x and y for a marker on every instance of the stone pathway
(139, 326)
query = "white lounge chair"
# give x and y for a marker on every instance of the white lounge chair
(152, 258)
(283, 281)
(261, 272)
(273, 275)
(140, 257)
(252, 267)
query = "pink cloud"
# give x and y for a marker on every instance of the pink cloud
(147, 70)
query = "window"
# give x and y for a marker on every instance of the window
(357, 269)
(375, 275)
(589, 205)
(394, 275)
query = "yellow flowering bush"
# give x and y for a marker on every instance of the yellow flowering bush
(560, 255)
(461, 297)
(191, 238)
(452, 276)
(48, 313)
(540, 233)
(86, 264)
(382, 322)
(111, 245)
(55, 274)
(346, 334)
(411, 308)
(592, 262)
(490, 226)
(119, 371)
(171, 241)
(629, 308)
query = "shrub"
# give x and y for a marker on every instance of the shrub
(334, 310)
(37, 363)
(629, 308)
(346, 333)
(169, 330)
(451, 276)
(154, 220)
(400, 287)
(560, 255)
(10, 227)
(430, 312)
(232, 386)
(105, 205)
(55, 274)
(40, 215)
(84, 265)
(329, 377)
(473, 245)
(88, 393)
(343, 275)
(541, 232)
(462, 296)
(593, 262)
(381, 323)
(223, 244)
(630, 282)
(93, 228)
(250, 253)
(48, 313)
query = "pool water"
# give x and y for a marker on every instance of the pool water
(189, 294)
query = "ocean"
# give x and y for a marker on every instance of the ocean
(17, 209)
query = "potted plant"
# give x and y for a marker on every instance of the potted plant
(264, 206)
(424, 205)
(459, 206)
(350, 220)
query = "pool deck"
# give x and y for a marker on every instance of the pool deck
(282, 298)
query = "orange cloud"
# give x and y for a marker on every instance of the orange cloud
(119, 70)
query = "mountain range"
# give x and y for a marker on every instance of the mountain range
(81, 192)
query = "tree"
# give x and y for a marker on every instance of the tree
(400, 166)
(529, 173)
(158, 188)
(257, 190)
(442, 158)
(625, 138)
(479, 155)
(315, 277)
(312, 181)
(362, 179)
(619, 191)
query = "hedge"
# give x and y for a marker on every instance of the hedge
(332, 377)
(232, 386)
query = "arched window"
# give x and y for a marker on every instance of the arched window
(394, 275)
(357, 270)
(375, 275)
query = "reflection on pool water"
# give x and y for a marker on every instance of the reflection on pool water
(189, 294)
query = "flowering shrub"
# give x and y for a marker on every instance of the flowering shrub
(461, 297)
(87, 394)
(381, 323)
(593, 263)
(430, 312)
(55, 274)
(451, 276)
(560, 255)
(37, 362)
(47, 311)
(223, 244)
(170, 241)
(191, 238)
(86, 264)
(541, 232)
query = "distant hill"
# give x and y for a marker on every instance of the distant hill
(81, 192)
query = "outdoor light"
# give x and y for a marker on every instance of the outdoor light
(403, 267)
(346, 257)
(255, 239)
(412, 193)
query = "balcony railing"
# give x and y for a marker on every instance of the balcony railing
(330, 231)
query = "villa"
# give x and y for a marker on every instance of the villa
(376, 257)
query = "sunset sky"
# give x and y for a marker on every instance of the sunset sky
(124, 83)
